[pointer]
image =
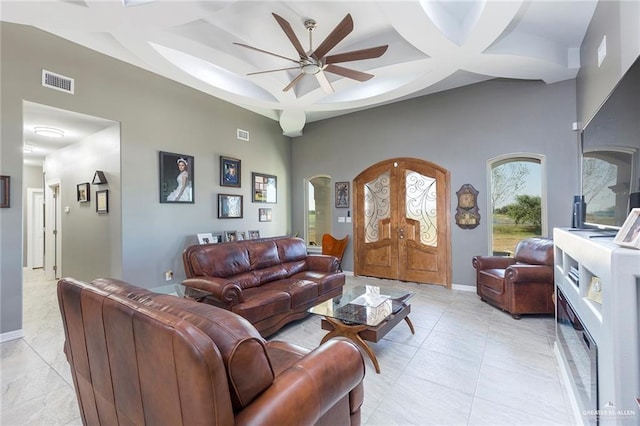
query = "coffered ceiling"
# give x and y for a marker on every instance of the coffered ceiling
(433, 45)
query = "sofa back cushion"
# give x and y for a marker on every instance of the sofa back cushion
(243, 350)
(133, 364)
(535, 251)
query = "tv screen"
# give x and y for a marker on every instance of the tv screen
(611, 154)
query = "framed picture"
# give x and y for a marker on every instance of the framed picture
(230, 236)
(206, 238)
(629, 234)
(230, 172)
(83, 191)
(218, 237)
(176, 178)
(5, 191)
(241, 236)
(264, 215)
(253, 235)
(342, 194)
(229, 206)
(265, 188)
(102, 201)
(595, 290)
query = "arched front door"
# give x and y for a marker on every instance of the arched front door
(401, 223)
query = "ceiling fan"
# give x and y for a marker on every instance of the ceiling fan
(315, 62)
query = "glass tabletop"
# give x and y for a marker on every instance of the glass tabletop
(365, 305)
(181, 291)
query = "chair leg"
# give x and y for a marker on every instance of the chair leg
(516, 316)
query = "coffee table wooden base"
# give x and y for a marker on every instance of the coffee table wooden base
(359, 333)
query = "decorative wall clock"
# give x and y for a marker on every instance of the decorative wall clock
(467, 215)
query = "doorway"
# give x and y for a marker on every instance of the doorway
(401, 222)
(35, 228)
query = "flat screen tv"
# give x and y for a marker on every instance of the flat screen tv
(610, 141)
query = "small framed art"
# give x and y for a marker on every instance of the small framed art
(264, 215)
(102, 201)
(629, 234)
(230, 172)
(176, 178)
(5, 188)
(230, 236)
(253, 235)
(206, 238)
(342, 194)
(83, 191)
(265, 188)
(229, 206)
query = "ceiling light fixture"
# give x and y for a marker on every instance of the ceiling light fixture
(50, 132)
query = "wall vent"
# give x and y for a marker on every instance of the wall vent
(57, 82)
(243, 135)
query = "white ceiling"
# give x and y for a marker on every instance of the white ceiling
(433, 45)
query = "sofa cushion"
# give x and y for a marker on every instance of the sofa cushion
(263, 302)
(300, 291)
(220, 260)
(291, 249)
(262, 254)
(242, 348)
(493, 279)
(327, 282)
(535, 251)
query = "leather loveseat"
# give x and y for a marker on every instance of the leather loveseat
(270, 282)
(143, 358)
(522, 284)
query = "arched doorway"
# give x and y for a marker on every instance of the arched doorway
(402, 222)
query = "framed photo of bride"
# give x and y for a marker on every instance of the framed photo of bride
(176, 178)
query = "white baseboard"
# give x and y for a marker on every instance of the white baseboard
(11, 335)
(462, 287)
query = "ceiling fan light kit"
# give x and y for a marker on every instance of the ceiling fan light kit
(315, 62)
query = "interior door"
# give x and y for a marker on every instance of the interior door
(401, 209)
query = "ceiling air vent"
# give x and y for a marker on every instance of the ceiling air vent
(57, 81)
(243, 135)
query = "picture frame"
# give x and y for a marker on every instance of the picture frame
(265, 188)
(177, 178)
(229, 206)
(218, 237)
(264, 215)
(206, 238)
(102, 201)
(595, 290)
(5, 192)
(342, 195)
(230, 172)
(241, 236)
(629, 234)
(83, 192)
(230, 236)
(253, 235)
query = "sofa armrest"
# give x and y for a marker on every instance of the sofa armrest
(322, 263)
(492, 262)
(302, 394)
(226, 292)
(529, 273)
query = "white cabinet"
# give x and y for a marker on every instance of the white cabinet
(581, 255)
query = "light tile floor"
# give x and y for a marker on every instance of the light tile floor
(467, 364)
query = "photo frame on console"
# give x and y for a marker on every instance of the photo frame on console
(629, 234)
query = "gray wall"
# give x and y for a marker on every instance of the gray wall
(32, 178)
(91, 242)
(155, 114)
(459, 130)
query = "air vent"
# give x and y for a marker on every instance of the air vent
(243, 135)
(57, 82)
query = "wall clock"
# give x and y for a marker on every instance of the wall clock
(467, 215)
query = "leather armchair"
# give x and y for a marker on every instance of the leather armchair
(143, 358)
(522, 284)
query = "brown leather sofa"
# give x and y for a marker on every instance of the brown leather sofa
(270, 282)
(143, 358)
(522, 284)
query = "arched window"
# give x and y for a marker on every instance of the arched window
(318, 209)
(516, 200)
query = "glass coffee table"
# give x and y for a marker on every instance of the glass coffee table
(364, 313)
(182, 291)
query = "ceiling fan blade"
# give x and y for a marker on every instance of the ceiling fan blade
(349, 73)
(339, 32)
(264, 51)
(357, 55)
(279, 69)
(294, 82)
(286, 27)
(324, 82)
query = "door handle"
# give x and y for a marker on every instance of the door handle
(401, 233)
